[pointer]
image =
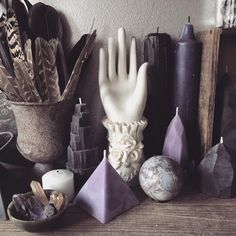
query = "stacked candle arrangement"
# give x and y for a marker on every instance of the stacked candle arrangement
(82, 153)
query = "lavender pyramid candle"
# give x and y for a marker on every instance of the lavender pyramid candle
(105, 195)
(175, 145)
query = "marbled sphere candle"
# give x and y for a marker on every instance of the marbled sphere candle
(186, 82)
(60, 180)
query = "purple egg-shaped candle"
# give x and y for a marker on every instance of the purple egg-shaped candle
(175, 145)
(186, 82)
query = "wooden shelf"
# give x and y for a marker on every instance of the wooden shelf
(191, 213)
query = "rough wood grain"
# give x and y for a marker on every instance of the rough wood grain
(210, 51)
(189, 214)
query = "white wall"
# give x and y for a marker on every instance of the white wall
(139, 17)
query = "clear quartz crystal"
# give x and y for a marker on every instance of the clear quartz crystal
(56, 198)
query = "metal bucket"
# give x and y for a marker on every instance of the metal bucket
(43, 129)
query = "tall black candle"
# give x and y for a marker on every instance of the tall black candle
(158, 52)
(186, 83)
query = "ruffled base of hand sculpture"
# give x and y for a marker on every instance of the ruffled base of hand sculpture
(126, 148)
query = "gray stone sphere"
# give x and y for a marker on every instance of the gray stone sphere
(161, 178)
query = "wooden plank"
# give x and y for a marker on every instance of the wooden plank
(191, 213)
(208, 78)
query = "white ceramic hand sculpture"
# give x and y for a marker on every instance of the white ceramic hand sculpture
(124, 98)
(123, 95)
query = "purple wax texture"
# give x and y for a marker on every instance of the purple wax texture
(105, 195)
(186, 85)
(175, 145)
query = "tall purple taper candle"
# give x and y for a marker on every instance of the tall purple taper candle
(186, 83)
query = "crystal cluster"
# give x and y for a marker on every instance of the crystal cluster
(82, 153)
(29, 208)
(37, 206)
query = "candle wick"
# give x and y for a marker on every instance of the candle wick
(189, 19)
(80, 100)
(104, 154)
(226, 69)
(177, 110)
(221, 140)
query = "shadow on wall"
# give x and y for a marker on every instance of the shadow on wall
(89, 92)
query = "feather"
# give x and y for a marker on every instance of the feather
(29, 58)
(74, 78)
(28, 4)
(6, 58)
(45, 58)
(4, 52)
(73, 55)
(26, 85)
(13, 39)
(44, 22)
(21, 13)
(62, 67)
(8, 85)
(2, 28)
(11, 18)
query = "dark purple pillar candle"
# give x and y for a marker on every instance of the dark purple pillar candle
(186, 83)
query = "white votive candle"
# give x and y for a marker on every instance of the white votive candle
(60, 180)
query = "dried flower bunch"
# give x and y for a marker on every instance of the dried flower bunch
(29, 70)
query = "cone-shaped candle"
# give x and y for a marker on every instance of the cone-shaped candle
(105, 195)
(216, 172)
(175, 145)
(186, 84)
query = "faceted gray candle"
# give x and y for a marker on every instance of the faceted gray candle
(216, 172)
(175, 145)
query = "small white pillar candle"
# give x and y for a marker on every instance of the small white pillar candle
(60, 180)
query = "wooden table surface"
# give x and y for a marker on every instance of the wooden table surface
(189, 214)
